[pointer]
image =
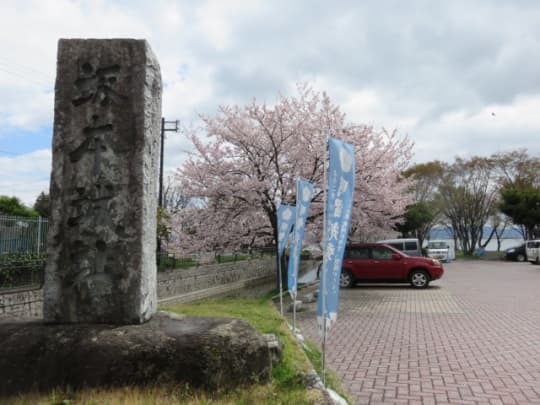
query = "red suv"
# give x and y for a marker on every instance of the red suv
(376, 262)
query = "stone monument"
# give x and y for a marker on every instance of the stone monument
(100, 280)
(102, 240)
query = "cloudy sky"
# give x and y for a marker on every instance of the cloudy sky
(458, 77)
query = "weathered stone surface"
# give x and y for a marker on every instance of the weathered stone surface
(275, 347)
(299, 306)
(213, 353)
(308, 298)
(312, 380)
(102, 235)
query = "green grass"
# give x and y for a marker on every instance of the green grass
(173, 263)
(332, 379)
(231, 258)
(262, 315)
(460, 255)
(285, 388)
(165, 395)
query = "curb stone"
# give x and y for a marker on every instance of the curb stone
(311, 380)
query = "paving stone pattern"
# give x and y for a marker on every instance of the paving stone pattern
(473, 337)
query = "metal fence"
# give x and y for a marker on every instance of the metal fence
(21, 271)
(169, 261)
(23, 248)
(23, 234)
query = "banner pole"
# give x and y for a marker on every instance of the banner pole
(324, 354)
(323, 283)
(280, 286)
(294, 315)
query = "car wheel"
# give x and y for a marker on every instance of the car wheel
(346, 279)
(537, 260)
(520, 258)
(419, 279)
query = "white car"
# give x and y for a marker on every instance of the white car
(532, 248)
(439, 249)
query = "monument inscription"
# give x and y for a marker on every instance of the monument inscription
(102, 239)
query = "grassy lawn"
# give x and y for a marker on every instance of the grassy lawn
(285, 388)
(487, 256)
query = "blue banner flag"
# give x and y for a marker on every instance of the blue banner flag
(286, 216)
(304, 194)
(339, 200)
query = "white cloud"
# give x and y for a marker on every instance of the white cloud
(29, 34)
(483, 131)
(368, 106)
(434, 71)
(28, 110)
(217, 20)
(518, 115)
(25, 176)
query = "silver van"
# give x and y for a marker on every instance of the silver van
(532, 247)
(409, 246)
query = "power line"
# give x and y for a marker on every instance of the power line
(26, 72)
(19, 66)
(24, 183)
(24, 76)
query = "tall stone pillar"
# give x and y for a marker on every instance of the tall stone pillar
(101, 264)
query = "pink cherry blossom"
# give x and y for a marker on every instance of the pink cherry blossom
(248, 158)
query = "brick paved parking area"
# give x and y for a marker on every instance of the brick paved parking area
(472, 337)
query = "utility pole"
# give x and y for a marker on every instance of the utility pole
(166, 126)
(164, 129)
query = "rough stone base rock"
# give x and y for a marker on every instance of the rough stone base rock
(214, 353)
(308, 298)
(299, 306)
(275, 347)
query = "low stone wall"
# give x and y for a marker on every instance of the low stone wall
(21, 304)
(174, 287)
(184, 285)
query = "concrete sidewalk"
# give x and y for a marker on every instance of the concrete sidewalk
(472, 337)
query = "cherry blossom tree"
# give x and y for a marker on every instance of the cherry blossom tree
(247, 159)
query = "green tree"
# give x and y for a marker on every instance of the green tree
(519, 183)
(417, 221)
(420, 216)
(522, 204)
(163, 227)
(468, 198)
(426, 177)
(516, 168)
(41, 206)
(14, 206)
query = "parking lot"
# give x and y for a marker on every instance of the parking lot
(472, 337)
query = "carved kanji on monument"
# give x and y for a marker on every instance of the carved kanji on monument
(101, 265)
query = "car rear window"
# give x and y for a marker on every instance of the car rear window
(411, 246)
(380, 252)
(357, 253)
